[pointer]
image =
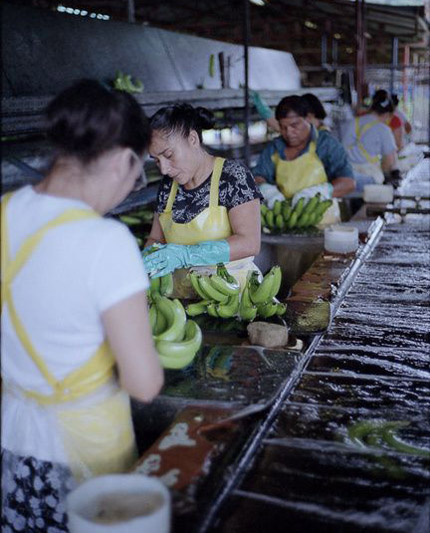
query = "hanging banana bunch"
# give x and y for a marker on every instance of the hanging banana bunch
(123, 82)
(283, 217)
(221, 297)
(176, 339)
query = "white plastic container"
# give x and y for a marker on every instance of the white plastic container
(119, 503)
(378, 194)
(340, 239)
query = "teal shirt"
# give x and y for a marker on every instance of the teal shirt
(329, 150)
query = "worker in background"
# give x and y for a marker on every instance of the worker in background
(303, 161)
(315, 116)
(317, 113)
(370, 144)
(405, 125)
(208, 208)
(74, 304)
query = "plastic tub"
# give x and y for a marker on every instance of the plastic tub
(119, 503)
(378, 194)
(341, 239)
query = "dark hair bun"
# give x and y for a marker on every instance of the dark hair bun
(381, 102)
(88, 119)
(205, 118)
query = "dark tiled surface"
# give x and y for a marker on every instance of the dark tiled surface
(372, 366)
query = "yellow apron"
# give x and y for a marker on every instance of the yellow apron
(372, 167)
(97, 436)
(212, 224)
(302, 172)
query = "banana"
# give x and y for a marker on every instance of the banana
(263, 209)
(323, 206)
(263, 292)
(197, 308)
(152, 317)
(154, 286)
(160, 323)
(286, 212)
(281, 309)
(263, 220)
(130, 220)
(212, 310)
(229, 309)
(210, 291)
(277, 272)
(166, 285)
(267, 309)
(270, 219)
(277, 206)
(299, 207)
(176, 318)
(311, 205)
(176, 355)
(303, 220)
(223, 286)
(279, 221)
(194, 278)
(247, 310)
(292, 220)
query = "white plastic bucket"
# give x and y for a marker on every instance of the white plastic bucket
(341, 239)
(104, 504)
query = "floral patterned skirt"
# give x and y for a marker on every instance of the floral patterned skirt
(33, 494)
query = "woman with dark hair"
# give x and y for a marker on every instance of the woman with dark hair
(317, 113)
(303, 161)
(74, 305)
(370, 143)
(208, 208)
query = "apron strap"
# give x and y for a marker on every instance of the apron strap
(83, 379)
(359, 132)
(172, 196)
(216, 175)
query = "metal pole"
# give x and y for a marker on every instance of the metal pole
(324, 49)
(334, 51)
(394, 60)
(359, 51)
(131, 11)
(246, 35)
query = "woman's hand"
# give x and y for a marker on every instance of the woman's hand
(130, 338)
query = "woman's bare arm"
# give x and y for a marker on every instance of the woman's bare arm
(156, 234)
(246, 225)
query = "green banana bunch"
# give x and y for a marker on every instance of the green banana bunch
(268, 288)
(283, 217)
(179, 354)
(123, 82)
(197, 308)
(229, 309)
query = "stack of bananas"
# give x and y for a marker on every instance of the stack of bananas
(283, 217)
(162, 286)
(176, 339)
(222, 298)
(123, 82)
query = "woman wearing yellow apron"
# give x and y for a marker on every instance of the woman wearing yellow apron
(73, 305)
(371, 145)
(208, 209)
(303, 161)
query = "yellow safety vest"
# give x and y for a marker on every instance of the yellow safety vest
(98, 438)
(359, 133)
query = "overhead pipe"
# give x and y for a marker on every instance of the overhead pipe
(394, 61)
(360, 49)
(246, 36)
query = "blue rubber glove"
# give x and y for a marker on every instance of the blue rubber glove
(262, 108)
(325, 190)
(271, 193)
(169, 257)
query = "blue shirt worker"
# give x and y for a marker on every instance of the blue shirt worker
(303, 161)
